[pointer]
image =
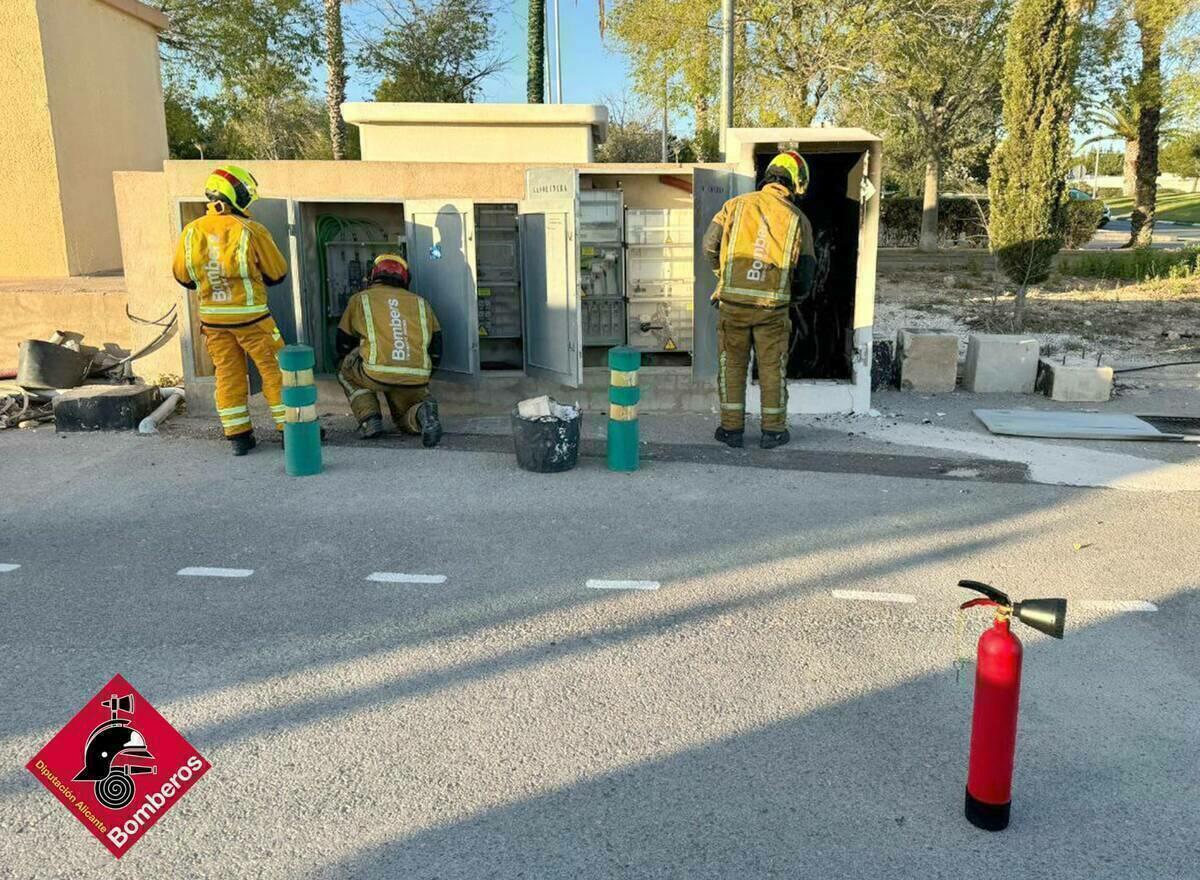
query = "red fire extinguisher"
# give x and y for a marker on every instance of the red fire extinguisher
(997, 693)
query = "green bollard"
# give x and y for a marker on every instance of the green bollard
(301, 431)
(623, 397)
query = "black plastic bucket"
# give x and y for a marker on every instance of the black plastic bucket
(47, 365)
(548, 445)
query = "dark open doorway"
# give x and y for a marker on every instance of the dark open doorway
(823, 325)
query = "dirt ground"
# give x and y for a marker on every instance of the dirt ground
(1122, 323)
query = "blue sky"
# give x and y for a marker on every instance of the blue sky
(591, 72)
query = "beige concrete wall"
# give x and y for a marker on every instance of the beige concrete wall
(34, 308)
(475, 143)
(422, 132)
(31, 225)
(644, 190)
(106, 108)
(147, 246)
(342, 181)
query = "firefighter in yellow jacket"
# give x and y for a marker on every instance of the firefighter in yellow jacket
(761, 246)
(390, 342)
(230, 260)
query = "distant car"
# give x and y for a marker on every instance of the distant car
(1082, 196)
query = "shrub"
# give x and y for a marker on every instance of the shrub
(1082, 219)
(1134, 265)
(959, 219)
(1028, 170)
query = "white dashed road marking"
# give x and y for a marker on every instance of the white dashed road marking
(867, 596)
(621, 585)
(9, 566)
(1116, 604)
(395, 577)
(201, 571)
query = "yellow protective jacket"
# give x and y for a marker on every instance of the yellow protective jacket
(756, 242)
(229, 260)
(395, 329)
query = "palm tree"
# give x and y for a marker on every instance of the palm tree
(335, 83)
(535, 88)
(1118, 120)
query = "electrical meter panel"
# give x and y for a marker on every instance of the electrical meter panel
(659, 278)
(601, 266)
(348, 269)
(498, 274)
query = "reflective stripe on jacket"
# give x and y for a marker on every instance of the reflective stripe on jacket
(229, 260)
(394, 327)
(763, 236)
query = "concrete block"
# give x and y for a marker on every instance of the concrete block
(1077, 382)
(927, 360)
(998, 362)
(104, 407)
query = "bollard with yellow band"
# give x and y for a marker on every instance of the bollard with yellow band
(623, 397)
(301, 431)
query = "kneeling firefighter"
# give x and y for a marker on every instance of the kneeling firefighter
(761, 247)
(230, 260)
(390, 342)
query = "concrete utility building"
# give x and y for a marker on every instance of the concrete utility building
(535, 258)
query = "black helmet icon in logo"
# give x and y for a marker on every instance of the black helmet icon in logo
(114, 784)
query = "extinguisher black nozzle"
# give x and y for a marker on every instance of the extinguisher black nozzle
(989, 817)
(1048, 616)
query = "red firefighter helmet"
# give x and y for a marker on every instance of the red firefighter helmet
(390, 269)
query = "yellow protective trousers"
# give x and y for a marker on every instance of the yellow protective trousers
(362, 391)
(741, 329)
(228, 347)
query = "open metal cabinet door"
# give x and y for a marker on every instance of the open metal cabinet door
(711, 188)
(441, 256)
(291, 250)
(550, 284)
(275, 215)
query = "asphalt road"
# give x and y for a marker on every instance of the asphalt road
(742, 720)
(1166, 235)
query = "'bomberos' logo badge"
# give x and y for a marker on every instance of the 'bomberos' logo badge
(118, 766)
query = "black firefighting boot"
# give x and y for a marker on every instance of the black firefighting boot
(732, 439)
(431, 426)
(371, 427)
(243, 443)
(771, 439)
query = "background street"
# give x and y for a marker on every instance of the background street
(742, 720)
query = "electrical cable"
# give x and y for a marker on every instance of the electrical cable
(1157, 366)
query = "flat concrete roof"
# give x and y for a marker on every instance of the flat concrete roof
(815, 134)
(148, 14)
(391, 113)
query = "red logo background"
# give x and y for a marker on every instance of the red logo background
(63, 757)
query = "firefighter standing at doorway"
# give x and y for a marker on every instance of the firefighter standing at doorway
(230, 260)
(761, 246)
(390, 342)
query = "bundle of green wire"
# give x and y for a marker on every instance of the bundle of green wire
(330, 227)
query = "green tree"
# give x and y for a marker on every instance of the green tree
(440, 51)
(535, 83)
(798, 54)
(672, 47)
(1154, 20)
(1029, 167)
(1181, 155)
(933, 82)
(246, 65)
